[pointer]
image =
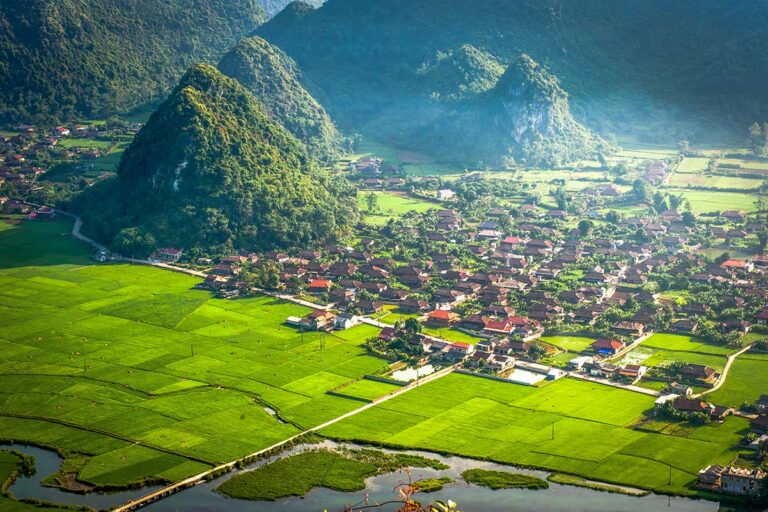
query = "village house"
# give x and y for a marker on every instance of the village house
(319, 320)
(632, 372)
(628, 328)
(411, 305)
(369, 307)
(478, 359)
(168, 255)
(345, 321)
(699, 373)
(607, 347)
(680, 389)
(762, 404)
(684, 326)
(759, 424)
(440, 318)
(691, 406)
(500, 363)
(319, 286)
(459, 350)
(741, 481)
(734, 215)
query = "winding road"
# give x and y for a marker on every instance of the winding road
(724, 374)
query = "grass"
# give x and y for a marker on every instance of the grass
(692, 165)
(502, 480)
(148, 377)
(432, 484)
(683, 343)
(297, 475)
(9, 463)
(682, 180)
(563, 479)
(569, 343)
(368, 389)
(716, 201)
(85, 142)
(747, 380)
(390, 205)
(451, 334)
(568, 426)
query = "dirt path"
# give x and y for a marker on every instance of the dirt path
(724, 374)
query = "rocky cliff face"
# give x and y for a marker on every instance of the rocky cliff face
(532, 119)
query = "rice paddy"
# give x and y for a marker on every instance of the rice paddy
(747, 380)
(570, 426)
(150, 377)
(390, 205)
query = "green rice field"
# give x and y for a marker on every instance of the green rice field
(714, 201)
(368, 389)
(569, 343)
(747, 380)
(390, 205)
(150, 377)
(571, 426)
(683, 343)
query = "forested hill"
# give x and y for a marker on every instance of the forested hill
(655, 67)
(212, 173)
(275, 80)
(64, 58)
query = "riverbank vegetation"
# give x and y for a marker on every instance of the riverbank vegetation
(343, 471)
(503, 480)
(563, 479)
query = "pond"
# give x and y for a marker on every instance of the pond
(378, 489)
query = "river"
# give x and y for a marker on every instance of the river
(380, 488)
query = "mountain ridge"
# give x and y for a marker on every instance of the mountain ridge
(660, 71)
(275, 80)
(60, 60)
(211, 172)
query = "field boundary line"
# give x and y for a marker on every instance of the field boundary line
(199, 478)
(105, 434)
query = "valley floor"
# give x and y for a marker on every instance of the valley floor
(136, 376)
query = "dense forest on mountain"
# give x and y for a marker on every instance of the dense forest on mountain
(687, 69)
(67, 58)
(275, 80)
(211, 172)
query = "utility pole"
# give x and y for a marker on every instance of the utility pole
(192, 350)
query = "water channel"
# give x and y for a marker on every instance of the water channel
(470, 498)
